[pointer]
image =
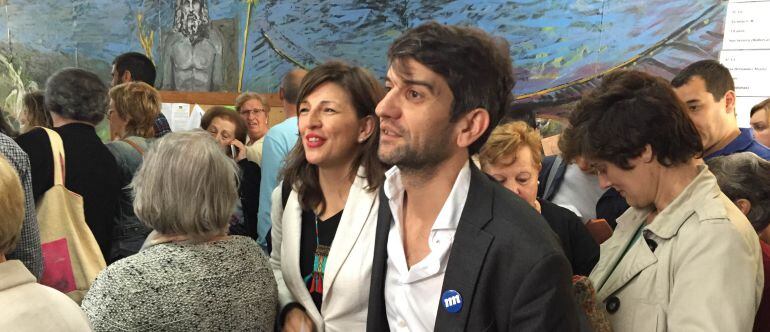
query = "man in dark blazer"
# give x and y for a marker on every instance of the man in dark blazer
(454, 250)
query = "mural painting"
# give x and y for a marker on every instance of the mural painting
(560, 48)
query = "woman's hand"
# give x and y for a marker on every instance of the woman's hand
(298, 321)
(535, 204)
(241, 150)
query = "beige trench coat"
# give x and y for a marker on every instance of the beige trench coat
(696, 267)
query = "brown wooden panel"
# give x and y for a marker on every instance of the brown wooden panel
(211, 98)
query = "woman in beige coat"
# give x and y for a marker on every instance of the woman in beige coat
(683, 257)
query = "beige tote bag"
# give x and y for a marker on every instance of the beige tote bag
(71, 255)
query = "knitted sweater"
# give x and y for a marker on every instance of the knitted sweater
(222, 285)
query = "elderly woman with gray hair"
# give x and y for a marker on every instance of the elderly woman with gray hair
(77, 100)
(745, 179)
(190, 276)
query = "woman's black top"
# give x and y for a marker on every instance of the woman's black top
(308, 262)
(248, 191)
(579, 246)
(91, 172)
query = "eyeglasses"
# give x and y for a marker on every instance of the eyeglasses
(255, 111)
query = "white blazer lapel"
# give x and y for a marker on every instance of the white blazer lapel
(292, 276)
(357, 212)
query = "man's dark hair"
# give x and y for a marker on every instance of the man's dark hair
(717, 77)
(290, 84)
(139, 65)
(629, 110)
(521, 113)
(476, 66)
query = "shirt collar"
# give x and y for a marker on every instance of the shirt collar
(13, 273)
(740, 143)
(449, 216)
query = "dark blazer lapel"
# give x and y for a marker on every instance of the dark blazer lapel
(469, 251)
(377, 319)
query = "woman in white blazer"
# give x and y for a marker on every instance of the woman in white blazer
(323, 234)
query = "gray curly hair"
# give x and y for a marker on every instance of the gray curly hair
(745, 176)
(76, 94)
(186, 185)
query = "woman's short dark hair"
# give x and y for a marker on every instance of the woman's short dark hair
(629, 110)
(476, 66)
(241, 129)
(76, 94)
(365, 92)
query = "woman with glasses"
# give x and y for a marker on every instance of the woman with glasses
(255, 112)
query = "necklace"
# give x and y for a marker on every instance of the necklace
(319, 264)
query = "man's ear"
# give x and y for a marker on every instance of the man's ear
(647, 155)
(126, 77)
(281, 93)
(730, 101)
(744, 205)
(471, 126)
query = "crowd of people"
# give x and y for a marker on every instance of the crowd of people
(414, 204)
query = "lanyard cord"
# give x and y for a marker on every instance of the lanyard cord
(625, 251)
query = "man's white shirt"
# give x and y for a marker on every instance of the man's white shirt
(412, 295)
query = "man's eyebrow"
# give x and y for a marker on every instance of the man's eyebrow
(425, 84)
(409, 81)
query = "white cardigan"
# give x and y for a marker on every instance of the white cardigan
(348, 268)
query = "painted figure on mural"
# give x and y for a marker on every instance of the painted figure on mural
(192, 53)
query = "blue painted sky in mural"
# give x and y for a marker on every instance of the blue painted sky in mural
(552, 42)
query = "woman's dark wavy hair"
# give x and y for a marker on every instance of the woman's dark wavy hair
(365, 92)
(629, 110)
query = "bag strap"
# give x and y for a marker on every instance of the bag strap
(285, 192)
(134, 145)
(552, 172)
(57, 148)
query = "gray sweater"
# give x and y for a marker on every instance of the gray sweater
(223, 285)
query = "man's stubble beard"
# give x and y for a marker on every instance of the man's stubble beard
(425, 160)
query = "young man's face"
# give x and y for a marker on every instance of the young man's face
(415, 126)
(709, 113)
(115, 77)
